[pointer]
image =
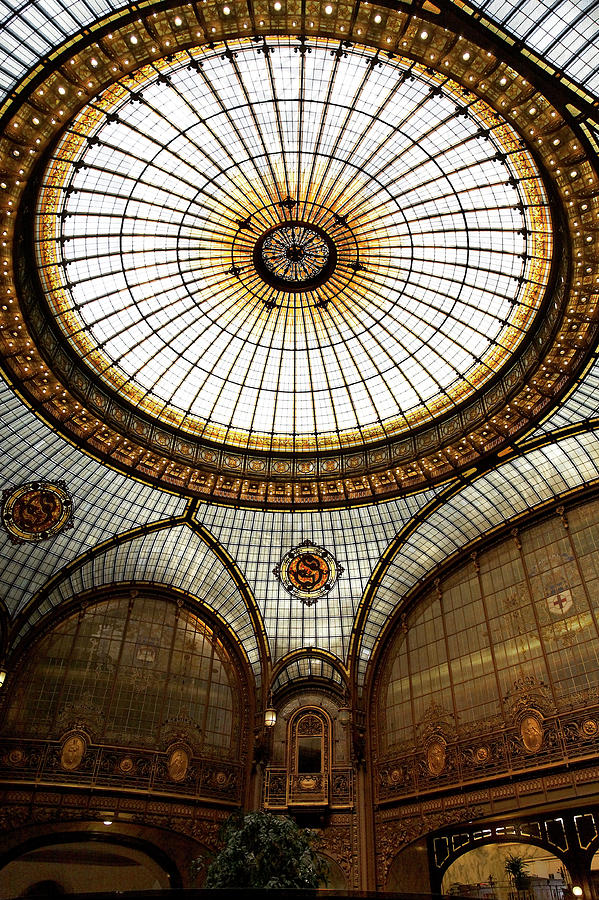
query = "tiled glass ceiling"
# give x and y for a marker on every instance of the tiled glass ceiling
(481, 506)
(175, 557)
(357, 537)
(107, 503)
(157, 227)
(565, 32)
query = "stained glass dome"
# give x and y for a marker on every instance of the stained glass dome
(282, 250)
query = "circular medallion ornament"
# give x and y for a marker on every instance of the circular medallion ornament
(16, 757)
(36, 511)
(295, 256)
(308, 572)
(482, 755)
(590, 727)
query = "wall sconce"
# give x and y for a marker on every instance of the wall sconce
(344, 715)
(577, 890)
(270, 717)
(3, 674)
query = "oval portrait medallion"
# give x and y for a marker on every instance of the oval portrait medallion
(72, 752)
(435, 756)
(531, 732)
(308, 572)
(36, 510)
(178, 764)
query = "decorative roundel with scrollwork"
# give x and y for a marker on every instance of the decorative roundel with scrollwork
(308, 572)
(36, 510)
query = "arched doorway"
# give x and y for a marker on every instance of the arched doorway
(481, 872)
(80, 863)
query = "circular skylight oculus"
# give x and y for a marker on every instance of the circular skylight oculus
(283, 251)
(295, 256)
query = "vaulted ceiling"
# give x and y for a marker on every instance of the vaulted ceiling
(391, 433)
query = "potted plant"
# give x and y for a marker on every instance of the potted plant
(268, 852)
(517, 868)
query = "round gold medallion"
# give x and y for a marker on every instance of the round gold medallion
(36, 511)
(590, 727)
(308, 572)
(482, 754)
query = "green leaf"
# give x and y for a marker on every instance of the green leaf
(262, 850)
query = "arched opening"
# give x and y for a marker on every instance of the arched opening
(335, 880)
(79, 864)
(482, 873)
(408, 871)
(594, 873)
(125, 667)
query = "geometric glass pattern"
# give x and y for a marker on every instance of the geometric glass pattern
(162, 206)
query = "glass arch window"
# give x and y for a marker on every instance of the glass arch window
(136, 666)
(526, 610)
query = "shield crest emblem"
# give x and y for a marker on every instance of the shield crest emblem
(560, 603)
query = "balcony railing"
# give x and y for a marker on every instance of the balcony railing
(283, 790)
(39, 762)
(483, 755)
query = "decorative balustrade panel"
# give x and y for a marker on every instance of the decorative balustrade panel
(282, 790)
(44, 762)
(308, 789)
(478, 757)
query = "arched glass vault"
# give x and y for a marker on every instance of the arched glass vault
(268, 265)
(299, 309)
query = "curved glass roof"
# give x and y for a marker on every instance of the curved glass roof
(155, 539)
(182, 179)
(563, 31)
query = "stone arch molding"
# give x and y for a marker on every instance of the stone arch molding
(174, 557)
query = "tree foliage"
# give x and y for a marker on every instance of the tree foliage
(266, 851)
(517, 867)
